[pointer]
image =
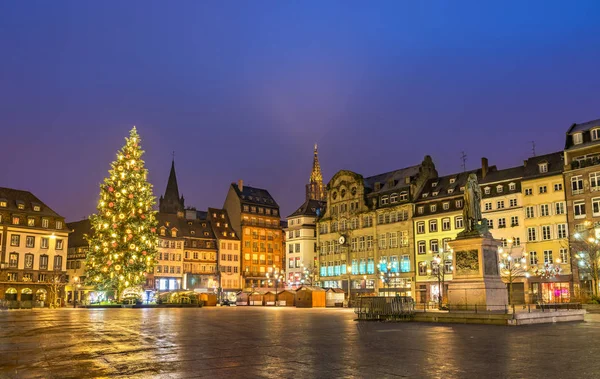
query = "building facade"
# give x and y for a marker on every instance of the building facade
(547, 230)
(438, 219)
(582, 177)
(254, 216)
(33, 249)
(76, 290)
(365, 236)
(228, 244)
(301, 244)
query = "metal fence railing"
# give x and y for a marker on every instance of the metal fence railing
(500, 308)
(384, 308)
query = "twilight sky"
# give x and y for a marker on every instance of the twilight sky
(244, 90)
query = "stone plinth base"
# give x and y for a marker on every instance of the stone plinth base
(487, 293)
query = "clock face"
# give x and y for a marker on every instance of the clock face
(342, 240)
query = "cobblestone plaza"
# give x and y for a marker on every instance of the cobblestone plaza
(283, 343)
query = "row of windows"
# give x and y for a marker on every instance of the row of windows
(295, 248)
(434, 246)
(543, 189)
(261, 259)
(294, 262)
(268, 248)
(393, 198)
(15, 240)
(229, 257)
(544, 210)
(74, 265)
(546, 232)
(500, 188)
(446, 225)
(29, 260)
(563, 257)
(577, 183)
(296, 233)
(199, 268)
(260, 222)
(432, 268)
(196, 255)
(260, 210)
(501, 222)
(229, 245)
(579, 209)
(500, 204)
(445, 206)
(169, 257)
(259, 234)
(169, 244)
(164, 269)
(230, 269)
(45, 223)
(20, 205)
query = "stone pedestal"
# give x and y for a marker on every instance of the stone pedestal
(476, 278)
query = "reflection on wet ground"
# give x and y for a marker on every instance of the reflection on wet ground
(261, 342)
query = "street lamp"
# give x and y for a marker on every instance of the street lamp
(277, 276)
(349, 273)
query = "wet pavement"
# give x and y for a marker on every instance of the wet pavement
(261, 342)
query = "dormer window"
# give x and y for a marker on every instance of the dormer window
(543, 167)
(434, 184)
(226, 225)
(3, 203)
(432, 207)
(214, 215)
(595, 134)
(450, 190)
(394, 198)
(218, 224)
(446, 206)
(577, 139)
(174, 233)
(163, 232)
(167, 223)
(452, 180)
(512, 186)
(435, 193)
(36, 208)
(424, 195)
(20, 205)
(206, 234)
(499, 189)
(420, 210)
(486, 190)
(462, 189)
(192, 232)
(383, 201)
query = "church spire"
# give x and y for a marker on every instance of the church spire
(171, 202)
(314, 188)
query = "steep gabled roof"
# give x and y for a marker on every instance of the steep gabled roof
(14, 196)
(309, 208)
(555, 163)
(254, 196)
(392, 180)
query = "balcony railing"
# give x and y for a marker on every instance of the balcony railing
(581, 163)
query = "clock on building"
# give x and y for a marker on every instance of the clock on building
(342, 240)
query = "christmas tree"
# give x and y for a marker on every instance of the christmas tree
(123, 242)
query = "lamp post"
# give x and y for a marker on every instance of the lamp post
(277, 276)
(75, 284)
(437, 260)
(349, 293)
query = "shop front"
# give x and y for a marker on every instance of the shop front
(555, 291)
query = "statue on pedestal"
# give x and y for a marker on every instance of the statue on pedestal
(473, 221)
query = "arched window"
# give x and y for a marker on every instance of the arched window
(10, 294)
(393, 198)
(26, 294)
(403, 196)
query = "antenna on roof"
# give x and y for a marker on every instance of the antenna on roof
(463, 158)
(533, 147)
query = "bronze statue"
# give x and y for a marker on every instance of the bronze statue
(472, 206)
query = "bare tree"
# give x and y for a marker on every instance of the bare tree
(513, 265)
(56, 281)
(439, 270)
(585, 246)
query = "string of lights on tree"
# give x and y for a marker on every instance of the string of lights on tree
(124, 240)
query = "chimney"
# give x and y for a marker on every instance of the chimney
(241, 185)
(525, 163)
(484, 167)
